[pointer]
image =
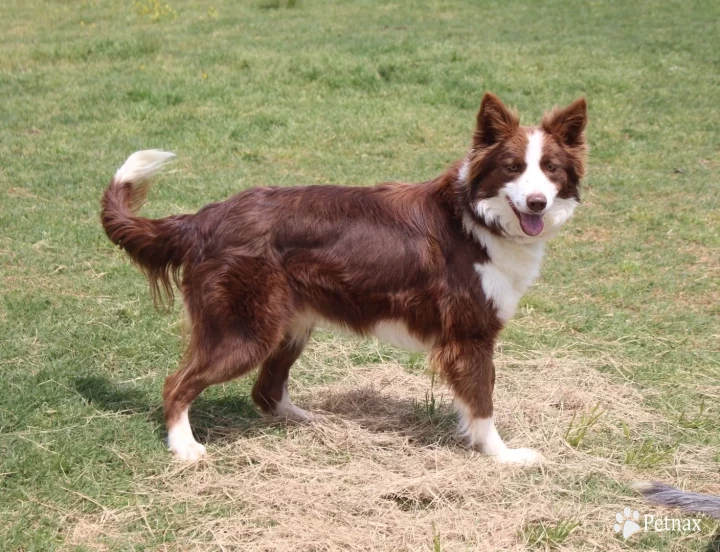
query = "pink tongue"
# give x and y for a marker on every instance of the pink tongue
(532, 225)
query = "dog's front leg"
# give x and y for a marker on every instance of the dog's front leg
(467, 366)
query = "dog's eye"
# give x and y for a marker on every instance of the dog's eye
(513, 168)
(550, 168)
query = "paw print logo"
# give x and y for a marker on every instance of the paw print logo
(627, 523)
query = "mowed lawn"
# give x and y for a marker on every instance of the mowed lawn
(611, 367)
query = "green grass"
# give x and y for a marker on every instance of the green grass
(283, 92)
(578, 428)
(544, 535)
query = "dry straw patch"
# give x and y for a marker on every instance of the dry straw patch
(383, 471)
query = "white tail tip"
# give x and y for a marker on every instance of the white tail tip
(142, 165)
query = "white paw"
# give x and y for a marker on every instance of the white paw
(520, 457)
(286, 409)
(188, 452)
(295, 413)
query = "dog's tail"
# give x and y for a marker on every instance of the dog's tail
(159, 247)
(675, 498)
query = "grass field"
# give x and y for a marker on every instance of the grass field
(611, 367)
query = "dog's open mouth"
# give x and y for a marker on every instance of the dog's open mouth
(532, 225)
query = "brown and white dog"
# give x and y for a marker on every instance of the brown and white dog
(438, 266)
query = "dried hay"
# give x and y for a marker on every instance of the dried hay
(383, 470)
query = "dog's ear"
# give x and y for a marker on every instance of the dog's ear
(567, 124)
(494, 122)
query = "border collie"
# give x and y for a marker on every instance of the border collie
(438, 266)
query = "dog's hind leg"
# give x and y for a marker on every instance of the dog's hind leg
(270, 391)
(227, 361)
(180, 390)
(235, 325)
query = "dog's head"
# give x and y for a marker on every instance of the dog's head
(522, 182)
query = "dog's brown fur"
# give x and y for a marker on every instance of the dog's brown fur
(252, 265)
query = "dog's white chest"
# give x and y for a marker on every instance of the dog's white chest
(392, 332)
(512, 268)
(396, 333)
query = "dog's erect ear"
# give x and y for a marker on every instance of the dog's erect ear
(494, 122)
(567, 124)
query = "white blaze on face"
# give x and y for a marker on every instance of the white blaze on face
(538, 225)
(533, 180)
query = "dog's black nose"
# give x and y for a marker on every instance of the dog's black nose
(536, 202)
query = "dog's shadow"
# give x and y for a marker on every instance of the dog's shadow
(423, 420)
(208, 413)
(222, 420)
